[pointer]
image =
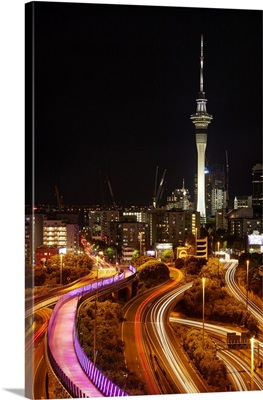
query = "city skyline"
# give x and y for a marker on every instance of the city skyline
(115, 87)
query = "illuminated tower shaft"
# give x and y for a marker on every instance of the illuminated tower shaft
(201, 119)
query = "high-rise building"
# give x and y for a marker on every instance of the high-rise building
(60, 234)
(242, 202)
(257, 188)
(201, 120)
(179, 199)
(215, 189)
(172, 226)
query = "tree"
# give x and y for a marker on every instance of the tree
(110, 356)
(153, 272)
(73, 267)
(167, 256)
(39, 276)
(213, 269)
(192, 265)
(179, 263)
(204, 358)
(136, 254)
(110, 253)
(137, 261)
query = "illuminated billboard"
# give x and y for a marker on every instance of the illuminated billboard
(255, 239)
(164, 246)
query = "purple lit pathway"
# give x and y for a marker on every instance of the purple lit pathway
(62, 347)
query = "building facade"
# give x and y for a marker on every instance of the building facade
(179, 199)
(58, 233)
(257, 188)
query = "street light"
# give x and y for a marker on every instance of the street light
(218, 243)
(247, 284)
(252, 340)
(203, 282)
(195, 241)
(140, 238)
(61, 265)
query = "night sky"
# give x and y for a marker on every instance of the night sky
(115, 86)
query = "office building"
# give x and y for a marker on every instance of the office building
(257, 188)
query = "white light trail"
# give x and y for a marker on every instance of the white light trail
(238, 294)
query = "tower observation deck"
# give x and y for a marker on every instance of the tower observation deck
(201, 119)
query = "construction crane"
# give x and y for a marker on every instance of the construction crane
(227, 169)
(111, 192)
(158, 195)
(59, 198)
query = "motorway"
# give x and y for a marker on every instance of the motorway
(237, 363)
(35, 366)
(238, 294)
(150, 345)
(151, 348)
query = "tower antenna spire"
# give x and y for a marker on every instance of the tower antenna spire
(202, 65)
(201, 119)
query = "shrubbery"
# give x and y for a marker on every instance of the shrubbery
(152, 273)
(205, 360)
(74, 267)
(219, 305)
(110, 349)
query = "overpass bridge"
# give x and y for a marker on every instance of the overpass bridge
(65, 358)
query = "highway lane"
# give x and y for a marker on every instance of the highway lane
(237, 292)
(150, 344)
(177, 374)
(35, 366)
(40, 372)
(134, 346)
(238, 366)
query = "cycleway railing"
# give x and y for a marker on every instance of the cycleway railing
(102, 383)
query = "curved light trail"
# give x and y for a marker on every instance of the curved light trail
(179, 373)
(139, 340)
(233, 363)
(237, 292)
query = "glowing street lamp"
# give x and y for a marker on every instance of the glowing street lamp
(218, 243)
(203, 284)
(195, 240)
(61, 265)
(140, 238)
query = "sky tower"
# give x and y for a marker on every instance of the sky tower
(201, 119)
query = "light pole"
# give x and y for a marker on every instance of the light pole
(203, 282)
(140, 236)
(61, 265)
(252, 363)
(195, 241)
(247, 284)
